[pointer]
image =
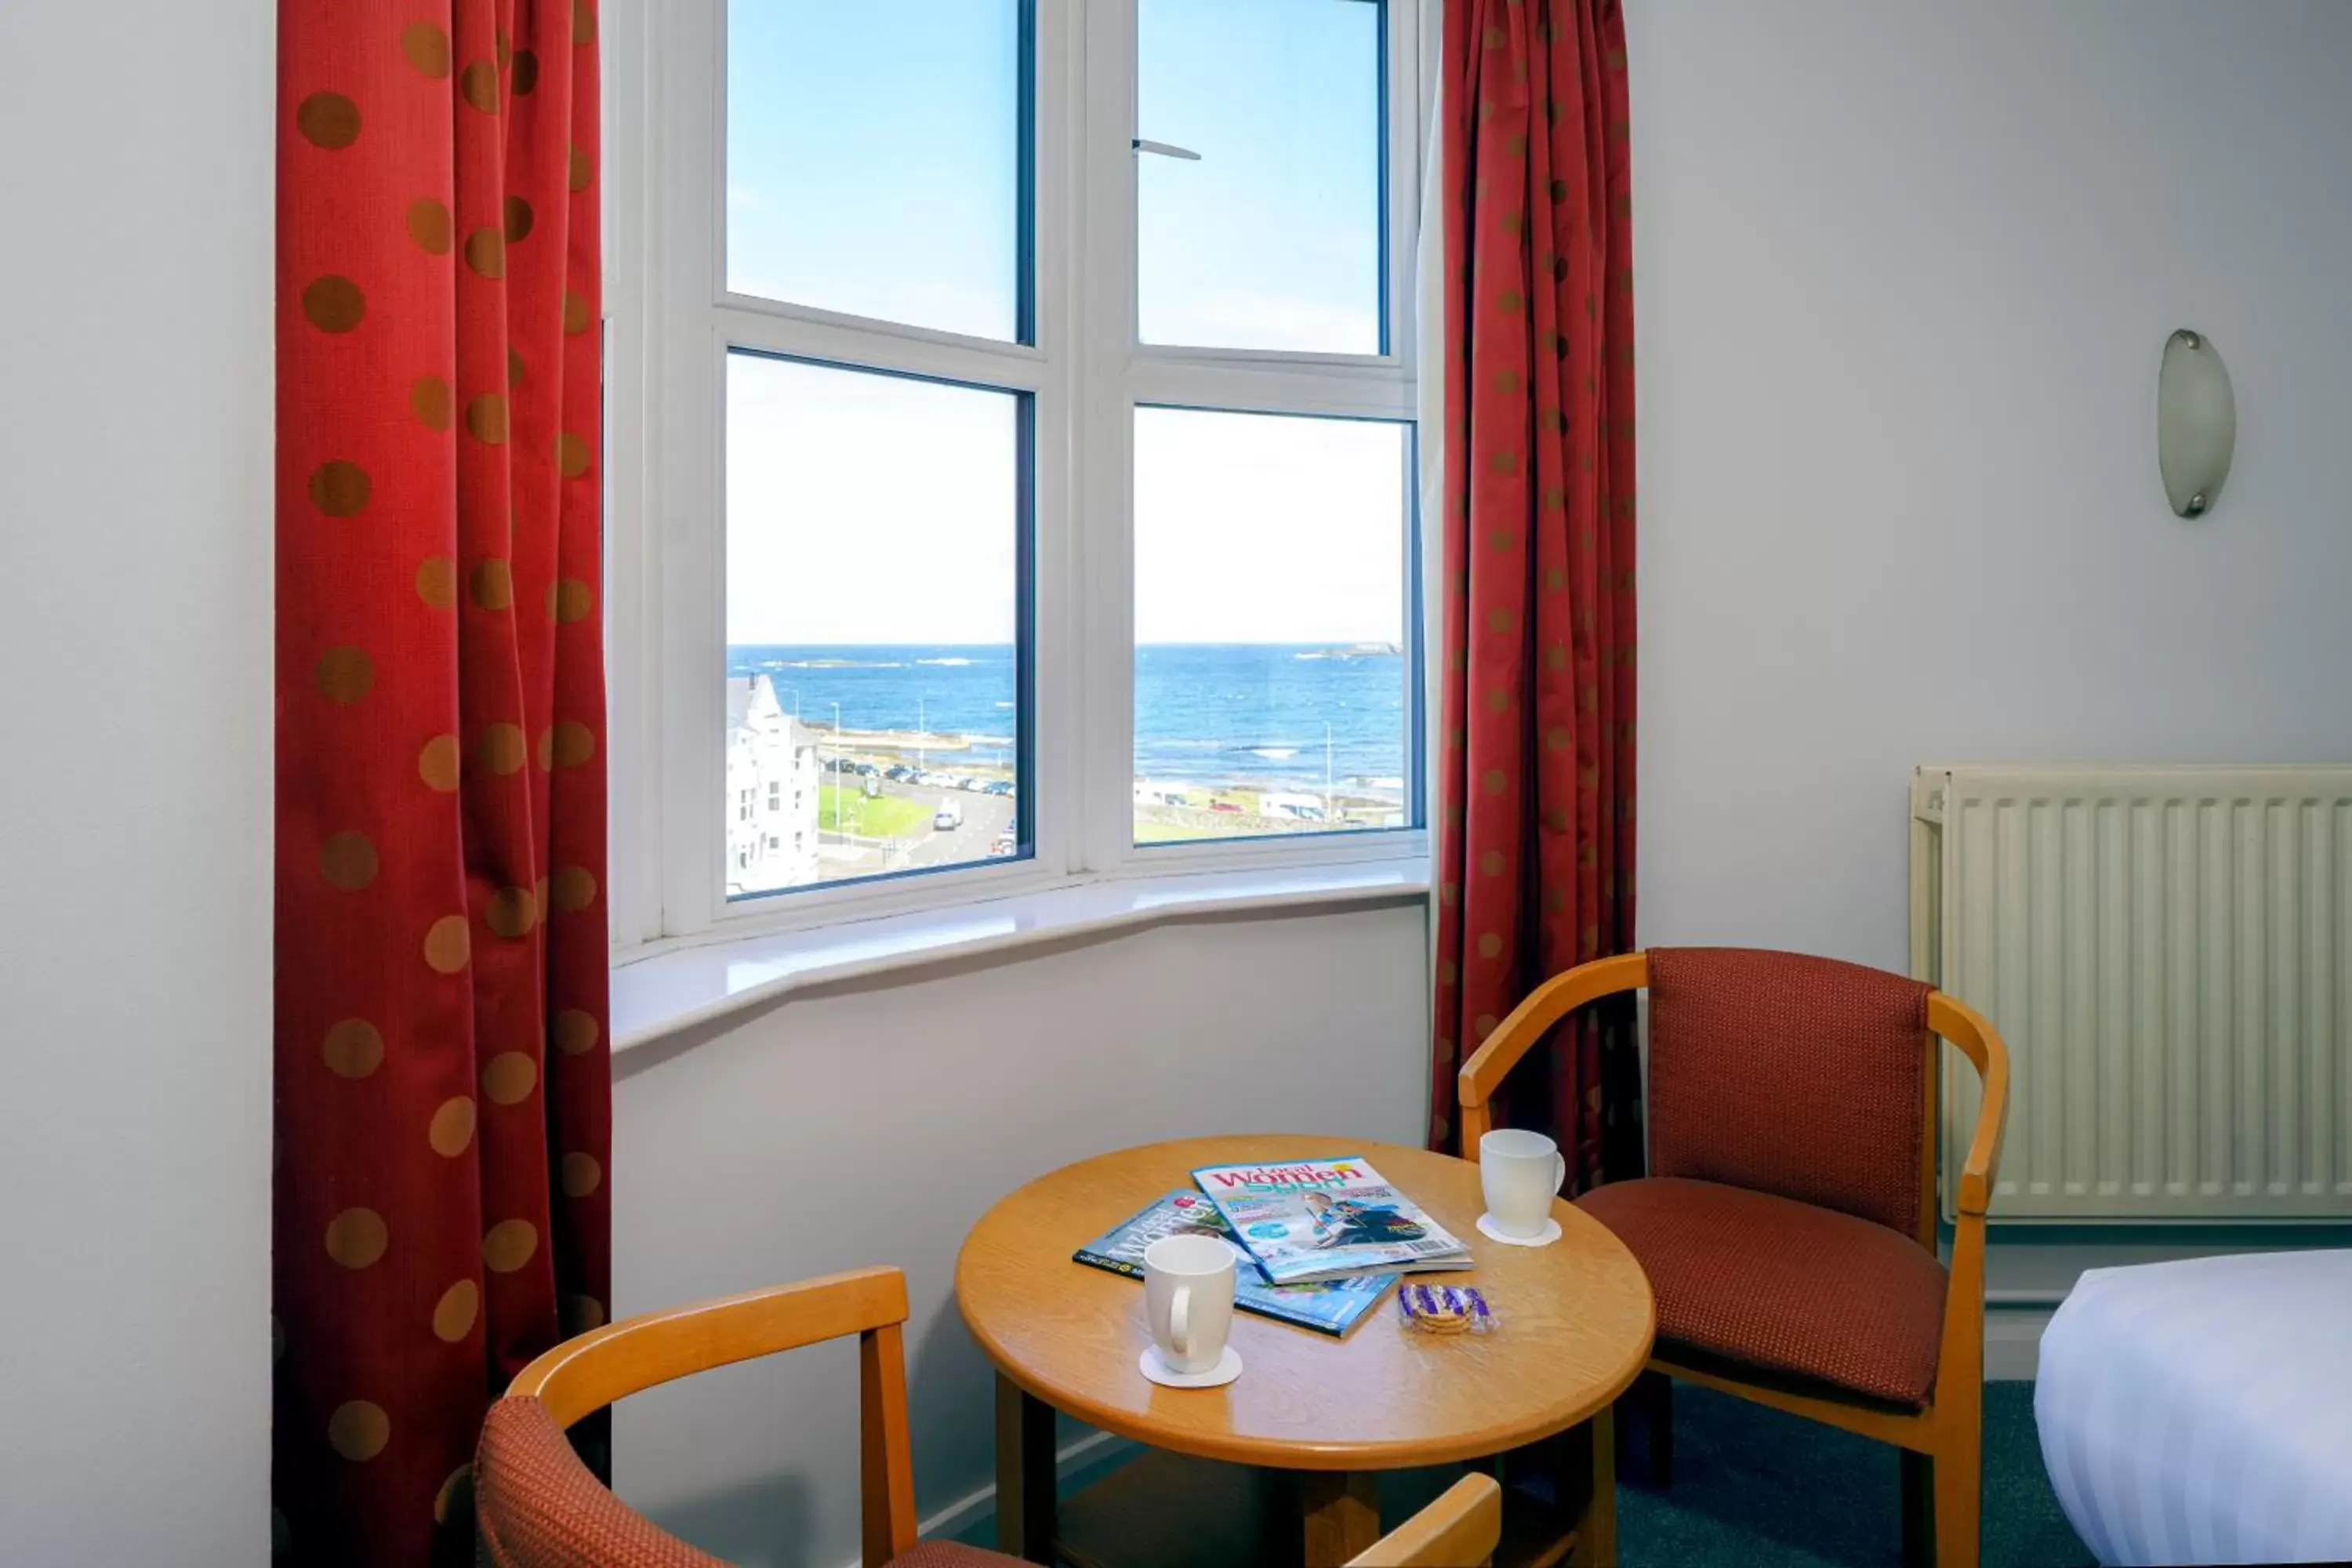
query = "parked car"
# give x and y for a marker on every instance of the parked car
(998, 786)
(898, 773)
(1297, 808)
(965, 780)
(1223, 805)
(935, 781)
(949, 816)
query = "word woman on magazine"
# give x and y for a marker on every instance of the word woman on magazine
(1327, 1219)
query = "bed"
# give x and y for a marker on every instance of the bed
(2202, 1411)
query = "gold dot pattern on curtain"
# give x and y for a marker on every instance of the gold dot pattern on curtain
(444, 1094)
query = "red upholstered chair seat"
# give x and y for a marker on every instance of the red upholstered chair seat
(1784, 1287)
(950, 1554)
(540, 1507)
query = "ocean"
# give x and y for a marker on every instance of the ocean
(1247, 713)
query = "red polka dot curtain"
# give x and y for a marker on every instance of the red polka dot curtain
(443, 1097)
(1534, 771)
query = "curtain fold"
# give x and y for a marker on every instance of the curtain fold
(443, 1086)
(1535, 753)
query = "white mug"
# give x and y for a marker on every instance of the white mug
(1188, 1295)
(1521, 1172)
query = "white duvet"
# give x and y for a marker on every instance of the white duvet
(2201, 1412)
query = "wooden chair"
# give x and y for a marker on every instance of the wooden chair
(1789, 1222)
(1460, 1529)
(537, 1506)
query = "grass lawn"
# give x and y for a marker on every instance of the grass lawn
(883, 816)
(1168, 832)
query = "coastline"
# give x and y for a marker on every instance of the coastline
(1165, 809)
(1231, 740)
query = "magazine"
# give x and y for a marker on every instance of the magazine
(1328, 1308)
(1314, 1220)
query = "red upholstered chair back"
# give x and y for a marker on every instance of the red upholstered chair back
(537, 1506)
(1787, 1074)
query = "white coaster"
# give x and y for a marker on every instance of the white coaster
(1550, 1234)
(1228, 1367)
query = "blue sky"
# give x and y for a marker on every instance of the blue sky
(873, 169)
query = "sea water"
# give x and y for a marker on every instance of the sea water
(1253, 713)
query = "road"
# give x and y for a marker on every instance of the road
(985, 816)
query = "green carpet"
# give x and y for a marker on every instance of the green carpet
(1755, 1488)
(1760, 1488)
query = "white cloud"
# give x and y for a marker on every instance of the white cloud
(1258, 527)
(877, 509)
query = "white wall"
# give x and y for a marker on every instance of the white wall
(135, 387)
(875, 1122)
(1903, 276)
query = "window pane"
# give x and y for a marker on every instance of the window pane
(1272, 239)
(873, 683)
(874, 158)
(1270, 657)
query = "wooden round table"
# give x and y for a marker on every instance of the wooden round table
(1577, 1319)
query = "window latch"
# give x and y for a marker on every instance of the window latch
(1166, 150)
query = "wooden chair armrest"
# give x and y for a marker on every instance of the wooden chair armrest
(1547, 1005)
(1463, 1526)
(1966, 1027)
(592, 1370)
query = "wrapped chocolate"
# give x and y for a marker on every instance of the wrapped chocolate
(1446, 1309)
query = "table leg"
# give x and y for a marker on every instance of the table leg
(1024, 1473)
(1918, 1509)
(1343, 1515)
(1596, 1526)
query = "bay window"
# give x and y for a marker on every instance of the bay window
(1011, 470)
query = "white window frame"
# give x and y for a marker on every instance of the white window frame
(671, 323)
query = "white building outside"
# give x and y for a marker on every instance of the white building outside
(771, 792)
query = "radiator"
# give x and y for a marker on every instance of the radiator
(2168, 952)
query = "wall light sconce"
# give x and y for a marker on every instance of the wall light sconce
(2196, 422)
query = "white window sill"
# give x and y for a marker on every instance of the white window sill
(666, 992)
